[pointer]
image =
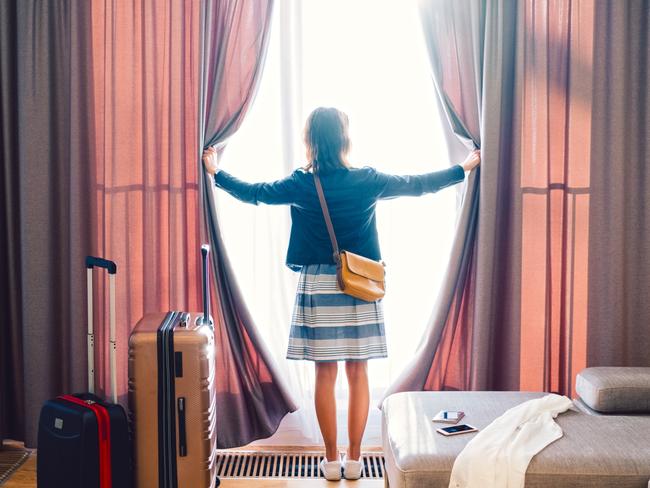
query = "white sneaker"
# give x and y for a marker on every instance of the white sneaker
(352, 469)
(331, 469)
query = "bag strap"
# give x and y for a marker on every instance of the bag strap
(326, 214)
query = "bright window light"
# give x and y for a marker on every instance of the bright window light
(367, 58)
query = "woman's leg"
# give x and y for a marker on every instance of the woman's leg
(357, 372)
(326, 406)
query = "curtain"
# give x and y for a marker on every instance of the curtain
(558, 265)
(105, 163)
(46, 143)
(11, 342)
(618, 309)
(549, 273)
(513, 334)
(574, 250)
(145, 193)
(99, 112)
(462, 38)
(546, 308)
(252, 396)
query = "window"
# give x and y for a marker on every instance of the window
(367, 58)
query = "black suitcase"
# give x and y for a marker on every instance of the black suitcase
(84, 441)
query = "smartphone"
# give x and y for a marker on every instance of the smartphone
(456, 429)
(448, 416)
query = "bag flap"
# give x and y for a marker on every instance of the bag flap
(359, 265)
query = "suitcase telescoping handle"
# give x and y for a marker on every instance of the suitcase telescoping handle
(111, 267)
(205, 252)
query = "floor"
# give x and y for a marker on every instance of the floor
(25, 477)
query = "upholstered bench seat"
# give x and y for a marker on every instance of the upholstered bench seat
(614, 390)
(595, 452)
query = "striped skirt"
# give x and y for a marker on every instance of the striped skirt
(328, 325)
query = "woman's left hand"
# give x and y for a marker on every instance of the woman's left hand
(210, 160)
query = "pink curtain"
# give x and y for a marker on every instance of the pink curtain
(517, 77)
(553, 151)
(529, 304)
(145, 198)
(148, 67)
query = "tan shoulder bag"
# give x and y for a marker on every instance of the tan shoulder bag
(357, 276)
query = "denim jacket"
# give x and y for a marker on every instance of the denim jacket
(351, 195)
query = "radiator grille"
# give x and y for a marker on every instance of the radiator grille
(277, 464)
(10, 460)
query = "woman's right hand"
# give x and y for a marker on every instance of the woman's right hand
(472, 160)
(210, 160)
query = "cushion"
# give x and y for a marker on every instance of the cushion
(583, 407)
(615, 390)
(595, 452)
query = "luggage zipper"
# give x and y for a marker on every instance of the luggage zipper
(103, 437)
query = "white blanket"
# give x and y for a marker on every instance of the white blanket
(498, 456)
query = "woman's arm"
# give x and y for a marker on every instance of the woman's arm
(391, 186)
(275, 193)
(278, 192)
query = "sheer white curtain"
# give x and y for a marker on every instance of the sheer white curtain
(367, 58)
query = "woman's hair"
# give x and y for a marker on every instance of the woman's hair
(327, 139)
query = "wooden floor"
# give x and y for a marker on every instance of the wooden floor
(25, 477)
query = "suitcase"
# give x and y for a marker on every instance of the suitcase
(84, 441)
(172, 397)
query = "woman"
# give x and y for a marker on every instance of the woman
(327, 325)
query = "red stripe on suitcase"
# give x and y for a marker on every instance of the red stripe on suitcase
(103, 434)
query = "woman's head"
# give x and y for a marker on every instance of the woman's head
(327, 139)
